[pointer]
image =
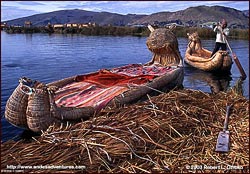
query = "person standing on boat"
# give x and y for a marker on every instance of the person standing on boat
(220, 40)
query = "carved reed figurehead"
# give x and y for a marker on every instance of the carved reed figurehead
(163, 44)
(194, 37)
(194, 42)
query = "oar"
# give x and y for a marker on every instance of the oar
(235, 58)
(222, 144)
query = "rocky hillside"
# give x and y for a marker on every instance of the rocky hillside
(77, 16)
(193, 16)
(246, 12)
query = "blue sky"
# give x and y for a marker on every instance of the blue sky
(17, 9)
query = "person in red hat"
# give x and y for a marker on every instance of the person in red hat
(220, 42)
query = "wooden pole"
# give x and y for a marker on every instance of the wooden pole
(151, 28)
(235, 58)
(237, 62)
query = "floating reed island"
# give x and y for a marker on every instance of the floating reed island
(171, 132)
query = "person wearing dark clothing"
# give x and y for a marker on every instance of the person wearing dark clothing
(220, 40)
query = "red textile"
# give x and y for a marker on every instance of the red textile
(87, 95)
(107, 79)
(97, 89)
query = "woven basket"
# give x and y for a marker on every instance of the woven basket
(43, 112)
(15, 111)
(38, 112)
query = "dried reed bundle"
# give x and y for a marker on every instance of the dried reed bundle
(173, 132)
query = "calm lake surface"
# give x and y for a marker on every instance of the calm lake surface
(48, 58)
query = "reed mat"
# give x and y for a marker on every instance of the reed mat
(171, 132)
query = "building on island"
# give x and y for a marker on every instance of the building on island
(27, 24)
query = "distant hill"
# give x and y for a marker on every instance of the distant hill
(246, 12)
(77, 16)
(193, 16)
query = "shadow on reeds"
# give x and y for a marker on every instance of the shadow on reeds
(26, 135)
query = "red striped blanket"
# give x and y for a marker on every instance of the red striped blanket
(86, 94)
(97, 89)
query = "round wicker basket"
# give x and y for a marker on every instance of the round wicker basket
(15, 111)
(38, 112)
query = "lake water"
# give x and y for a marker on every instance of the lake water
(48, 58)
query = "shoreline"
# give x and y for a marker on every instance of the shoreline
(124, 31)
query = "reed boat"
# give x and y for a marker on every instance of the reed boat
(35, 105)
(199, 57)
